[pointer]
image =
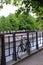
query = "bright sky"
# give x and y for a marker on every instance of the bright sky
(7, 9)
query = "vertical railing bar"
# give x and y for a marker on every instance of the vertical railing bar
(28, 44)
(3, 58)
(32, 40)
(42, 38)
(36, 40)
(9, 44)
(14, 48)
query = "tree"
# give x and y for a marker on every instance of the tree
(24, 5)
(26, 22)
(21, 19)
(13, 21)
(5, 24)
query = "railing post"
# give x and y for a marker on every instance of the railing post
(3, 59)
(14, 48)
(36, 40)
(28, 44)
(42, 38)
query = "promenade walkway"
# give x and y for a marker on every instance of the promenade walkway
(36, 59)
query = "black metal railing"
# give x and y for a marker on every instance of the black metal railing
(18, 44)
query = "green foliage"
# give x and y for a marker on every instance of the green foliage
(9, 1)
(20, 22)
(39, 23)
(14, 21)
(37, 7)
(27, 22)
(1, 6)
(5, 24)
(25, 8)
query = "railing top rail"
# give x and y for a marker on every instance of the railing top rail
(20, 31)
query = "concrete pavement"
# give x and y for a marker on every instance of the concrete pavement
(36, 59)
